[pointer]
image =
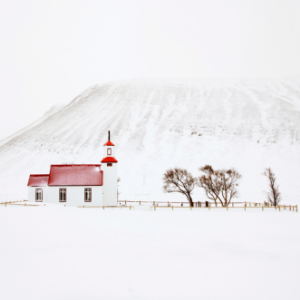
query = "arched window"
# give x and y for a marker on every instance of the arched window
(108, 151)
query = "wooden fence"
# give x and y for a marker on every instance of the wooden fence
(209, 205)
(18, 202)
(174, 205)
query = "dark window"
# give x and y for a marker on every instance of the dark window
(87, 195)
(62, 195)
(38, 195)
(109, 164)
(108, 151)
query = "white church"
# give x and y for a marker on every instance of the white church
(78, 185)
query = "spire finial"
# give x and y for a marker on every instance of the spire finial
(109, 135)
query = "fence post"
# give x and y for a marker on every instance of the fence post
(293, 208)
(154, 207)
(125, 202)
(296, 208)
(172, 207)
(245, 206)
(279, 207)
(226, 207)
(103, 207)
(190, 207)
(232, 204)
(262, 208)
(290, 207)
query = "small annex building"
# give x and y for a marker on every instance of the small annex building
(78, 185)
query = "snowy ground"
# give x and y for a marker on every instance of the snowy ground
(53, 252)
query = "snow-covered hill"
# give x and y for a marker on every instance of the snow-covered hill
(157, 124)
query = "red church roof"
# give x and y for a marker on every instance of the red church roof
(38, 180)
(109, 159)
(109, 143)
(75, 175)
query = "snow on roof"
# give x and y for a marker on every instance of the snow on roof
(38, 180)
(109, 159)
(109, 143)
(75, 175)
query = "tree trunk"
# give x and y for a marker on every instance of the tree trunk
(190, 200)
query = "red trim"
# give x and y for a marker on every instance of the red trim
(101, 183)
(109, 160)
(109, 143)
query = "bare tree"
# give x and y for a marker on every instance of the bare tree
(210, 182)
(219, 185)
(179, 181)
(274, 196)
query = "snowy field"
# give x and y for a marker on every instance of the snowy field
(53, 252)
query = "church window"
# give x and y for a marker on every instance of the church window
(38, 195)
(87, 195)
(108, 151)
(62, 195)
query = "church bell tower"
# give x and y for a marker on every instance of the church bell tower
(110, 174)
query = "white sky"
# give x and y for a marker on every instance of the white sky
(52, 50)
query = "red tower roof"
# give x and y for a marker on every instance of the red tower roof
(109, 159)
(109, 143)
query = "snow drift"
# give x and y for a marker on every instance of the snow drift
(158, 124)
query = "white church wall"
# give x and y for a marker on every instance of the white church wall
(75, 195)
(31, 193)
(110, 176)
(109, 151)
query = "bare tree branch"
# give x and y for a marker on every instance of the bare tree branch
(219, 185)
(274, 196)
(179, 181)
